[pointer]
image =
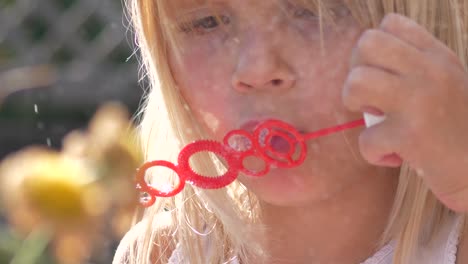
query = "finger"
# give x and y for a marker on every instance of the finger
(379, 144)
(409, 31)
(415, 35)
(372, 87)
(380, 49)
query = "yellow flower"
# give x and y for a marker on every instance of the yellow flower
(55, 189)
(84, 193)
(110, 145)
(110, 142)
(95, 169)
(44, 189)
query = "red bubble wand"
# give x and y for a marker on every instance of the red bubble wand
(238, 145)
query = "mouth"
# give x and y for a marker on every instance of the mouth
(278, 143)
(281, 141)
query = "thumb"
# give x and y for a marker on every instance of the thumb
(379, 144)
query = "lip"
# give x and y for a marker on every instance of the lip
(253, 123)
(250, 125)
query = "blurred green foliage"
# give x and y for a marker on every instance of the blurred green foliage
(7, 53)
(31, 251)
(65, 4)
(92, 28)
(35, 27)
(5, 3)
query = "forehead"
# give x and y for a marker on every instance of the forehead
(188, 4)
(172, 8)
(180, 5)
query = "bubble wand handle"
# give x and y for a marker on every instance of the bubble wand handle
(335, 129)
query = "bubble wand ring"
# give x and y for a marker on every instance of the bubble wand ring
(276, 128)
(143, 187)
(259, 144)
(232, 160)
(245, 151)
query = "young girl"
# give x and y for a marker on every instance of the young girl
(395, 192)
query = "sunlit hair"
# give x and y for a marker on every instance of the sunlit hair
(229, 217)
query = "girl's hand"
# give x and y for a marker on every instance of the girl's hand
(401, 70)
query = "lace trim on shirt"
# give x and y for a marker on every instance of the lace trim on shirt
(381, 255)
(452, 244)
(176, 257)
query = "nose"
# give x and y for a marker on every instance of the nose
(262, 65)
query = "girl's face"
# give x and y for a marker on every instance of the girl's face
(249, 60)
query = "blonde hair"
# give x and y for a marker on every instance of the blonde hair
(229, 217)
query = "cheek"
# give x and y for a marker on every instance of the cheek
(323, 87)
(331, 68)
(208, 105)
(200, 76)
(204, 83)
(205, 64)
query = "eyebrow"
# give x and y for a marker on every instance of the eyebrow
(179, 6)
(191, 3)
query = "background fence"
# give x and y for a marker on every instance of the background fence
(76, 51)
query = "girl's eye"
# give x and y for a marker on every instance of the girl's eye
(205, 24)
(304, 13)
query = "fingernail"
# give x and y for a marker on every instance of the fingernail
(391, 160)
(372, 110)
